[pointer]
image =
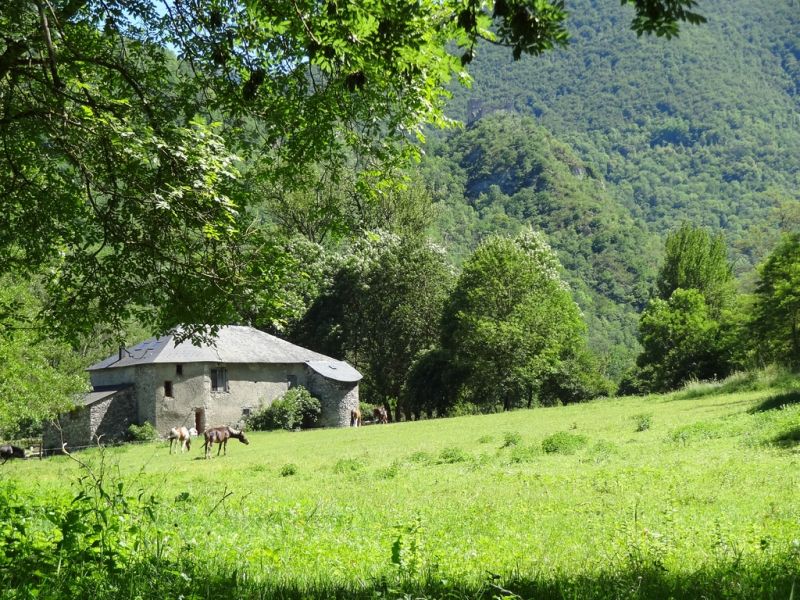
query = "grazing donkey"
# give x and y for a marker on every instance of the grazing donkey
(181, 435)
(221, 435)
(355, 418)
(380, 415)
(8, 452)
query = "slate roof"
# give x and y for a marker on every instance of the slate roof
(233, 344)
(335, 370)
(101, 393)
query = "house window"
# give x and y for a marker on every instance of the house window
(168, 389)
(292, 381)
(178, 370)
(219, 380)
(247, 411)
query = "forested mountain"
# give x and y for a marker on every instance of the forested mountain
(610, 143)
(504, 173)
(704, 128)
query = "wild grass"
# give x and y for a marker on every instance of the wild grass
(771, 377)
(705, 502)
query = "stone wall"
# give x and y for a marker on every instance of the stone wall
(337, 399)
(108, 418)
(189, 393)
(249, 387)
(74, 426)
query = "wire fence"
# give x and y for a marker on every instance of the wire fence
(34, 447)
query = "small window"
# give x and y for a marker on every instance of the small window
(292, 381)
(247, 411)
(178, 370)
(168, 389)
(219, 380)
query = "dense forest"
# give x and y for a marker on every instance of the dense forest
(703, 128)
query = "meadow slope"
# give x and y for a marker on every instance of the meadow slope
(665, 496)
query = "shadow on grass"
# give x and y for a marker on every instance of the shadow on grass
(787, 439)
(772, 578)
(777, 401)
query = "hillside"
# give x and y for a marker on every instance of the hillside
(612, 142)
(704, 128)
(679, 496)
(505, 172)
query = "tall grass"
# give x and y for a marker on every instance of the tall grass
(771, 377)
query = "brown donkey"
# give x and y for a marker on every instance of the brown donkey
(380, 415)
(221, 435)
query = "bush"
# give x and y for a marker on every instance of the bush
(453, 454)
(643, 421)
(296, 409)
(288, 469)
(511, 438)
(523, 454)
(348, 465)
(142, 433)
(421, 457)
(576, 379)
(563, 443)
(366, 409)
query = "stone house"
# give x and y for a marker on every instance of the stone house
(219, 383)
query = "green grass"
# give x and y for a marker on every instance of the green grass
(705, 501)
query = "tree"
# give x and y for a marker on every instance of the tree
(776, 319)
(696, 260)
(38, 378)
(382, 311)
(122, 125)
(433, 384)
(511, 320)
(688, 331)
(680, 341)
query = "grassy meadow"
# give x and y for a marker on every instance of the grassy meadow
(694, 494)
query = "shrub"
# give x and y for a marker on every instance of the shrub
(563, 442)
(347, 465)
(453, 454)
(643, 421)
(288, 469)
(142, 433)
(603, 449)
(389, 472)
(463, 409)
(702, 430)
(296, 409)
(367, 409)
(511, 438)
(421, 457)
(522, 454)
